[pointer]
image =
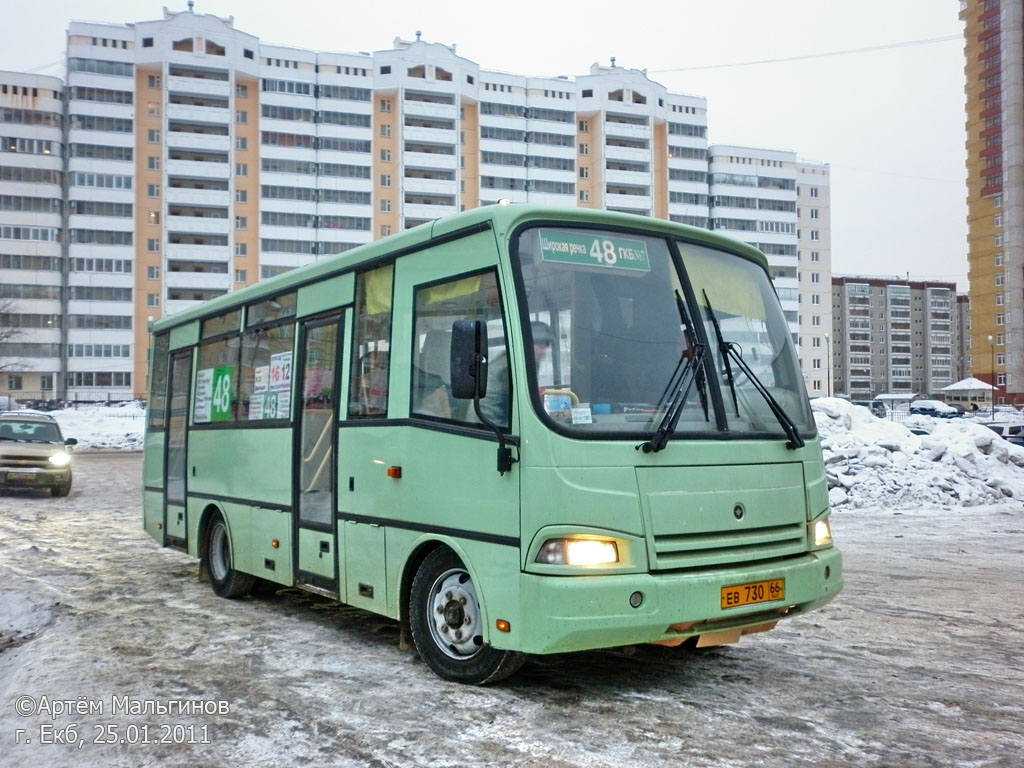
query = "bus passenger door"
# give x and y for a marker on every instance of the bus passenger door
(175, 456)
(314, 454)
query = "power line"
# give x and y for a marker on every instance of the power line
(824, 55)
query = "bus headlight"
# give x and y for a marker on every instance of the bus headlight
(60, 459)
(578, 552)
(822, 533)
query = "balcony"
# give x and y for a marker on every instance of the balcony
(430, 160)
(203, 281)
(191, 196)
(195, 168)
(432, 135)
(421, 211)
(206, 225)
(192, 252)
(414, 185)
(199, 141)
(196, 114)
(200, 86)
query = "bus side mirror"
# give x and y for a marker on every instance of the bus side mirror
(469, 359)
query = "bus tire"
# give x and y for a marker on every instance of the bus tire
(447, 624)
(225, 580)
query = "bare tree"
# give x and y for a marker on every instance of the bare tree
(8, 334)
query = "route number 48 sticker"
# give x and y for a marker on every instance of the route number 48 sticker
(594, 250)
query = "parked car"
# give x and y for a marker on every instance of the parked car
(34, 453)
(933, 408)
(1013, 433)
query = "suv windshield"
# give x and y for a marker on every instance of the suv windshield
(29, 431)
(623, 327)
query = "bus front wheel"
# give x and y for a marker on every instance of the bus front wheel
(225, 580)
(447, 624)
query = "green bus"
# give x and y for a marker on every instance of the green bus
(515, 430)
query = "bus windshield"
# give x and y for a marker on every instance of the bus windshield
(634, 351)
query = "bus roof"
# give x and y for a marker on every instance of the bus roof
(500, 218)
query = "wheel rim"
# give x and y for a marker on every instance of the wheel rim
(220, 563)
(455, 615)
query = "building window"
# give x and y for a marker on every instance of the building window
(241, 169)
(999, 259)
(813, 191)
(153, 163)
(153, 136)
(241, 222)
(152, 273)
(584, 149)
(153, 245)
(241, 196)
(14, 382)
(815, 277)
(385, 180)
(241, 91)
(147, 42)
(241, 116)
(385, 155)
(385, 105)
(153, 81)
(385, 130)
(241, 143)
(816, 320)
(152, 300)
(814, 213)
(584, 196)
(584, 172)
(997, 220)
(1000, 379)
(385, 230)
(240, 276)
(153, 217)
(815, 234)
(584, 126)
(815, 255)
(152, 190)
(385, 206)
(241, 249)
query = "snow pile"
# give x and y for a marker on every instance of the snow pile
(871, 462)
(117, 427)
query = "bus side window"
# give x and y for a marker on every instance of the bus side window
(371, 345)
(437, 306)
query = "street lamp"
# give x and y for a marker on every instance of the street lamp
(992, 369)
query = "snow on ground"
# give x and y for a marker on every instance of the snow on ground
(873, 462)
(117, 427)
(869, 461)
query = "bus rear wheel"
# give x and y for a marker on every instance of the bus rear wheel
(447, 624)
(225, 580)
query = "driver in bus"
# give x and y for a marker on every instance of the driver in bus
(495, 406)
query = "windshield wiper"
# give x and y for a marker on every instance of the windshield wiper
(729, 350)
(683, 378)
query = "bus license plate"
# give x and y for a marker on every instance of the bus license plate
(750, 594)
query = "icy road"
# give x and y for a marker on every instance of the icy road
(102, 634)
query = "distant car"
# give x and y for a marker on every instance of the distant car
(1013, 433)
(933, 408)
(34, 453)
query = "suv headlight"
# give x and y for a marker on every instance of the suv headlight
(60, 459)
(578, 552)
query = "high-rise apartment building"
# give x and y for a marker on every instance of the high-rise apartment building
(995, 198)
(33, 325)
(893, 336)
(814, 262)
(201, 160)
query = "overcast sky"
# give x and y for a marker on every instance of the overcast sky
(890, 121)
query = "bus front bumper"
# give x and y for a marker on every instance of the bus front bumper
(575, 613)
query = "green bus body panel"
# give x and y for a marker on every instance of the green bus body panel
(579, 613)
(365, 566)
(260, 461)
(184, 336)
(153, 459)
(326, 295)
(433, 463)
(313, 557)
(153, 514)
(268, 526)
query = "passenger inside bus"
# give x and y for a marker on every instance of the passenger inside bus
(495, 407)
